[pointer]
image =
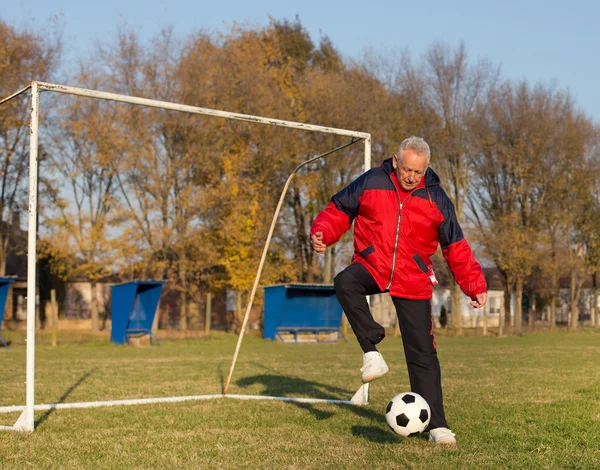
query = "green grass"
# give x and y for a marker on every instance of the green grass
(515, 402)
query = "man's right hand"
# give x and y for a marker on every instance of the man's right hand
(316, 241)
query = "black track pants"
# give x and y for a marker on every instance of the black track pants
(352, 285)
(416, 327)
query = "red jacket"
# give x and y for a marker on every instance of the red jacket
(395, 241)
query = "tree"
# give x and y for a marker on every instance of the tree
(24, 56)
(447, 84)
(79, 242)
(527, 141)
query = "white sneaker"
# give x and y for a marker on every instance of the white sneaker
(442, 436)
(373, 366)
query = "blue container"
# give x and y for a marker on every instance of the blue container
(301, 306)
(5, 283)
(133, 307)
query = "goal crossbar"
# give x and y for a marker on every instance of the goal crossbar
(198, 110)
(26, 420)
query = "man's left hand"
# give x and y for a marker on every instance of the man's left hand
(479, 300)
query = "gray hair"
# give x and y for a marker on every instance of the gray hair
(417, 145)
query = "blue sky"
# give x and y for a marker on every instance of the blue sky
(543, 41)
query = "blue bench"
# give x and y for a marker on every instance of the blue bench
(315, 330)
(5, 283)
(298, 308)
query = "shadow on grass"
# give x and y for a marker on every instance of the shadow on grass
(288, 387)
(376, 434)
(64, 396)
(383, 436)
(221, 376)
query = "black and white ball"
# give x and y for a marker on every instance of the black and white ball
(408, 414)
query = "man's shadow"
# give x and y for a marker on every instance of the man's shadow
(287, 387)
(63, 397)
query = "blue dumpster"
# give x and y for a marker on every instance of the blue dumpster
(133, 307)
(5, 283)
(301, 308)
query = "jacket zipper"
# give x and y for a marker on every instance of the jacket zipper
(400, 204)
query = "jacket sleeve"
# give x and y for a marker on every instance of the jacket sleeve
(341, 211)
(458, 254)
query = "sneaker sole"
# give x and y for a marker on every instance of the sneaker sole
(372, 376)
(444, 442)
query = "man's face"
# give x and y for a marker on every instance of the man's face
(410, 168)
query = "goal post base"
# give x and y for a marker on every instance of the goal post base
(361, 397)
(20, 425)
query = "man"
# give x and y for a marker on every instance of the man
(400, 214)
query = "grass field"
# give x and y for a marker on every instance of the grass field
(516, 402)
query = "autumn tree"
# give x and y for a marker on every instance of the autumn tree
(582, 214)
(87, 142)
(168, 164)
(526, 140)
(24, 56)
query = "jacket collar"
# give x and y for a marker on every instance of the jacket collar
(431, 178)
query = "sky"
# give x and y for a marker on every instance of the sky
(551, 42)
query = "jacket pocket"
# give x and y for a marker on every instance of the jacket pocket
(367, 251)
(427, 270)
(422, 266)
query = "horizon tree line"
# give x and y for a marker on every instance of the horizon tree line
(139, 192)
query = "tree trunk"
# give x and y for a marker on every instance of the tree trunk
(507, 312)
(573, 304)
(2, 261)
(183, 311)
(485, 318)
(208, 314)
(532, 310)
(553, 313)
(456, 309)
(594, 314)
(553, 302)
(94, 306)
(327, 267)
(332, 262)
(519, 306)
(54, 315)
(501, 317)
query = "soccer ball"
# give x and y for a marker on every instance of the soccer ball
(407, 414)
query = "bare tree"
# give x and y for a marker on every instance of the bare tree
(87, 143)
(527, 142)
(452, 88)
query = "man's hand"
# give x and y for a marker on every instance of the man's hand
(316, 241)
(479, 300)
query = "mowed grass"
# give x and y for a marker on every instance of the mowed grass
(516, 402)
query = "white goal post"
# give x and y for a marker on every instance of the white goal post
(26, 421)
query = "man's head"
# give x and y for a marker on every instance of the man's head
(411, 162)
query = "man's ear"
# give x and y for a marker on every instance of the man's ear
(395, 161)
